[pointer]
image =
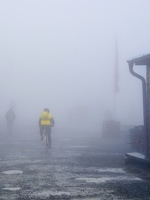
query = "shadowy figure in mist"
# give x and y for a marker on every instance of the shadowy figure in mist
(10, 117)
(46, 121)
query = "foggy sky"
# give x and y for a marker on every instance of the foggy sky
(61, 54)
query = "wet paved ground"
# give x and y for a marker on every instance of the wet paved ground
(90, 169)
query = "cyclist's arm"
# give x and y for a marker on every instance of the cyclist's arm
(52, 122)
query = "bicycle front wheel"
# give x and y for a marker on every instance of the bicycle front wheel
(46, 142)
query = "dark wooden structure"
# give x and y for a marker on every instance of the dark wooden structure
(143, 60)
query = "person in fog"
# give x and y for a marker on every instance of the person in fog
(10, 117)
(46, 121)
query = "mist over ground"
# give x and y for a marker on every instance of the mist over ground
(61, 55)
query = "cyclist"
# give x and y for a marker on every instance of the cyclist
(46, 121)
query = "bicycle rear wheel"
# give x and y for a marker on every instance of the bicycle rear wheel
(45, 139)
(46, 143)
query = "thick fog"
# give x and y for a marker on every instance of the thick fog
(61, 54)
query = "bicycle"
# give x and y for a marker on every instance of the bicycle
(46, 142)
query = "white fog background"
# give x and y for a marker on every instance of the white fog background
(61, 54)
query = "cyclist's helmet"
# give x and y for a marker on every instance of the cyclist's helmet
(46, 110)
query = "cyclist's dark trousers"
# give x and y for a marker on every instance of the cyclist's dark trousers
(48, 130)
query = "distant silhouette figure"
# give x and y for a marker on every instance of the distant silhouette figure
(10, 117)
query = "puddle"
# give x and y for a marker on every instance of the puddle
(12, 188)
(112, 170)
(10, 172)
(51, 193)
(107, 179)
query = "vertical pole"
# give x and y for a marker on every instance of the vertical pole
(114, 115)
(148, 107)
(116, 77)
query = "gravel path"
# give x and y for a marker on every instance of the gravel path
(90, 169)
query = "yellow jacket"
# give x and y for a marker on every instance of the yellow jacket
(46, 118)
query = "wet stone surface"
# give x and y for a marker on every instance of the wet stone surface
(73, 169)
